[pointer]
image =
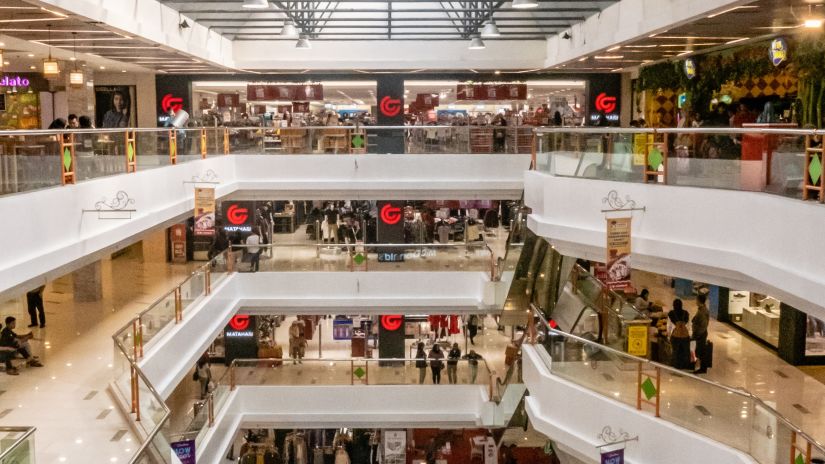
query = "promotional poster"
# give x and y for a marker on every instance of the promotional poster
(115, 106)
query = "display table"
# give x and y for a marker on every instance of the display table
(283, 222)
(762, 323)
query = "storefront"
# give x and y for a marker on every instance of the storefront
(20, 100)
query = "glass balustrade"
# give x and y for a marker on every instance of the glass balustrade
(730, 416)
(779, 161)
(17, 445)
(32, 160)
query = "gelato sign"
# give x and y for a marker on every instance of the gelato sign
(778, 51)
(14, 81)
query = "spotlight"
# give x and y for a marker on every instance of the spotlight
(476, 44)
(525, 3)
(303, 43)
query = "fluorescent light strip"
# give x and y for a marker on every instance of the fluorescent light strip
(55, 12)
(693, 37)
(745, 7)
(70, 41)
(126, 47)
(608, 57)
(55, 31)
(736, 41)
(31, 20)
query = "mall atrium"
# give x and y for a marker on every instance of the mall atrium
(412, 232)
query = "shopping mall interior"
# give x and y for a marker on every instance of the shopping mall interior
(412, 232)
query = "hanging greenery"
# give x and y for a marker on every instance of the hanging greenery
(809, 61)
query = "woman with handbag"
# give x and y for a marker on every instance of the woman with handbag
(421, 362)
(680, 336)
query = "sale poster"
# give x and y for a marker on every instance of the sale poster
(204, 212)
(618, 253)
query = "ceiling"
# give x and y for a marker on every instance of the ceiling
(391, 20)
(32, 30)
(754, 21)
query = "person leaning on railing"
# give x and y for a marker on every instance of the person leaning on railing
(472, 359)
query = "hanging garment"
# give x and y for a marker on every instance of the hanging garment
(419, 231)
(434, 323)
(455, 325)
(341, 456)
(295, 449)
(318, 456)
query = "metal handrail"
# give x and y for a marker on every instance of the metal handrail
(372, 245)
(677, 131)
(28, 432)
(10, 133)
(819, 446)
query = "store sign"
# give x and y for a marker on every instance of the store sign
(491, 92)
(613, 457)
(184, 451)
(204, 212)
(238, 217)
(229, 100)
(778, 51)
(284, 92)
(171, 102)
(390, 107)
(390, 214)
(690, 68)
(604, 105)
(14, 81)
(341, 328)
(618, 253)
(240, 340)
(177, 239)
(239, 322)
(391, 322)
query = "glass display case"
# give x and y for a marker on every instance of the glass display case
(758, 314)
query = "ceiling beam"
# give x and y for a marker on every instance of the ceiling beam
(334, 19)
(410, 10)
(277, 29)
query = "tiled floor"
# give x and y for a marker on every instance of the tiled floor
(740, 361)
(67, 400)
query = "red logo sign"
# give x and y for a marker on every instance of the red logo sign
(605, 103)
(390, 214)
(239, 322)
(171, 102)
(390, 107)
(391, 323)
(237, 215)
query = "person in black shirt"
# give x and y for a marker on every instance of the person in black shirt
(332, 215)
(34, 300)
(9, 339)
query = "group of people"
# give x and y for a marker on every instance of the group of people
(436, 362)
(72, 122)
(674, 344)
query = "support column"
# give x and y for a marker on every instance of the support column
(792, 331)
(88, 283)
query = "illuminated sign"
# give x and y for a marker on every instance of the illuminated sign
(171, 102)
(390, 214)
(240, 322)
(778, 51)
(605, 103)
(391, 322)
(237, 215)
(690, 68)
(390, 107)
(14, 81)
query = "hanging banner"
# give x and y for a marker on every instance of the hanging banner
(184, 451)
(284, 92)
(613, 457)
(204, 212)
(229, 100)
(618, 253)
(490, 451)
(395, 446)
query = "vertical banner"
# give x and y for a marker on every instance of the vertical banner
(618, 253)
(177, 239)
(184, 451)
(391, 338)
(604, 99)
(390, 97)
(613, 457)
(390, 229)
(395, 446)
(204, 212)
(490, 451)
(239, 338)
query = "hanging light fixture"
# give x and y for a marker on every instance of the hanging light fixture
(255, 4)
(525, 3)
(476, 44)
(76, 76)
(303, 43)
(490, 30)
(289, 30)
(51, 68)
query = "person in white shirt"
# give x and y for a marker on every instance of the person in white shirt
(254, 251)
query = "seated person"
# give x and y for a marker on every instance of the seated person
(18, 344)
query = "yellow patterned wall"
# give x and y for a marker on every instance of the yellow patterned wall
(778, 85)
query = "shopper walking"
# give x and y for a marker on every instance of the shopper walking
(436, 364)
(680, 336)
(472, 359)
(295, 342)
(254, 250)
(472, 328)
(34, 300)
(421, 363)
(452, 363)
(700, 334)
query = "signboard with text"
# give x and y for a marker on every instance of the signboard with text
(204, 212)
(613, 457)
(284, 92)
(184, 451)
(604, 100)
(618, 253)
(240, 341)
(491, 92)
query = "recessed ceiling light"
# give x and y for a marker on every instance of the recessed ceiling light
(497, 73)
(584, 58)
(255, 4)
(30, 55)
(103, 67)
(32, 67)
(613, 49)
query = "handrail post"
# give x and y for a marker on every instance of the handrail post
(178, 305)
(210, 406)
(204, 144)
(225, 140)
(531, 327)
(207, 279)
(67, 158)
(131, 150)
(639, 386)
(351, 372)
(367, 369)
(133, 387)
(136, 390)
(317, 238)
(658, 390)
(135, 339)
(533, 151)
(230, 260)
(173, 146)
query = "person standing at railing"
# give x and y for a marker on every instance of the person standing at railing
(421, 363)
(700, 334)
(472, 328)
(203, 374)
(452, 363)
(436, 363)
(680, 336)
(254, 251)
(472, 359)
